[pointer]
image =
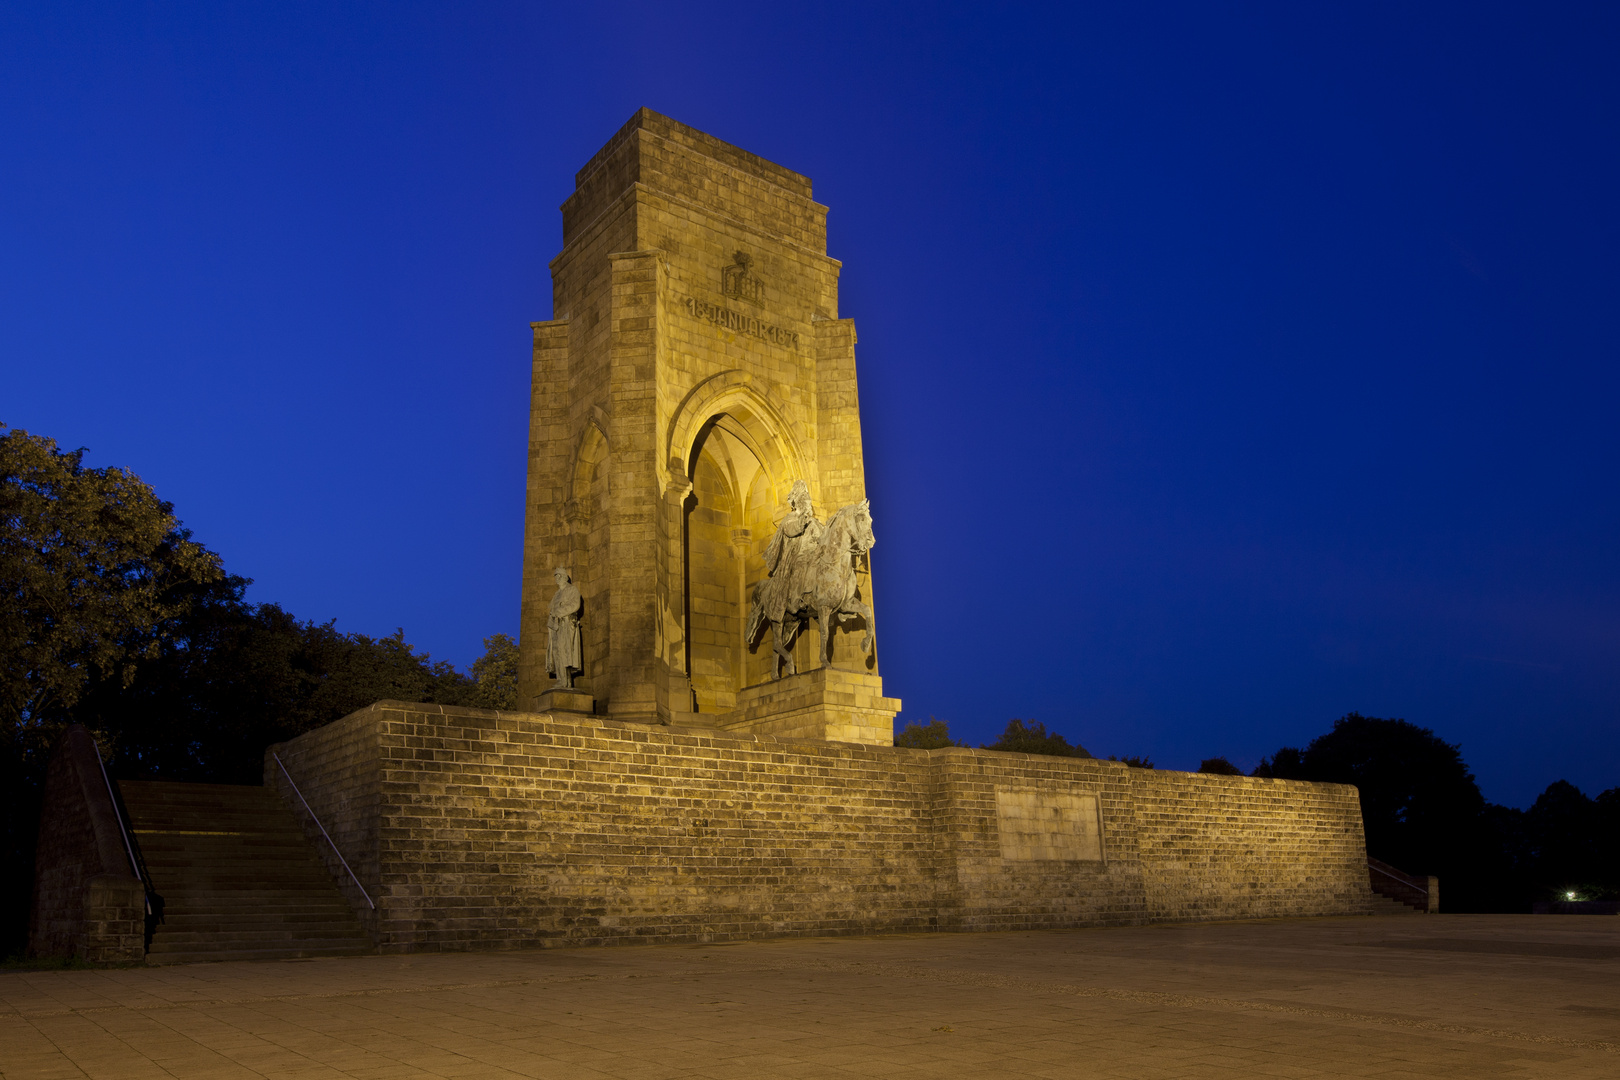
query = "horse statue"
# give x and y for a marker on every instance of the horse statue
(818, 583)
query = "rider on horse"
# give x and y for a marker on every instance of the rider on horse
(811, 570)
(791, 553)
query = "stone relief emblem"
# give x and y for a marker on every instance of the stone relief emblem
(564, 651)
(812, 576)
(737, 281)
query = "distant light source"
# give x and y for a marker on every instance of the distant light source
(1569, 896)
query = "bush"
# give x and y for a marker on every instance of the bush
(1219, 766)
(1135, 762)
(1033, 738)
(930, 736)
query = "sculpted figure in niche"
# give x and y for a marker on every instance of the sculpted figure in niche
(564, 652)
(812, 576)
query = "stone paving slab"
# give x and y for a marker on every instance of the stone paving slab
(1437, 996)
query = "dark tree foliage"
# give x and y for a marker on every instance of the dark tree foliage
(495, 674)
(1033, 738)
(94, 569)
(1135, 761)
(1568, 843)
(930, 736)
(1416, 792)
(1425, 814)
(237, 677)
(1422, 808)
(111, 616)
(1219, 766)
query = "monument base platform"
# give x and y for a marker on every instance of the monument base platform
(560, 700)
(826, 703)
(478, 829)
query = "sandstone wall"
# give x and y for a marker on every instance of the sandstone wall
(87, 900)
(481, 829)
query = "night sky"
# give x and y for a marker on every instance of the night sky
(1224, 369)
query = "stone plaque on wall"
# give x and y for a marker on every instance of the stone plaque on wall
(1038, 824)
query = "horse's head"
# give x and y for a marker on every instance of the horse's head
(861, 538)
(851, 528)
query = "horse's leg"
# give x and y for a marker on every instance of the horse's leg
(783, 655)
(871, 627)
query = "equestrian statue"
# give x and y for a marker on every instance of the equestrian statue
(811, 570)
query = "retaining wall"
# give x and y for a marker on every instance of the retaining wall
(480, 829)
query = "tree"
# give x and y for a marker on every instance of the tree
(1286, 764)
(94, 569)
(930, 736)
(1033, 738)
(1567, 844)
(495, 674)
(1421, 807)
(1219, 766)
(234, 678)
(1134, 761)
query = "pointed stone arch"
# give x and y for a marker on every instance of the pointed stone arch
(741, 459)
(732, 398)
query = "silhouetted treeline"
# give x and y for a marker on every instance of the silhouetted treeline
(1424, 813)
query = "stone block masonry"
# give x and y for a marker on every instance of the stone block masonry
(88, 901)
(477, 829)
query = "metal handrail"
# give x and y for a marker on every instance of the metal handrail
(123, 830)
(324, 833)
(1400, 878)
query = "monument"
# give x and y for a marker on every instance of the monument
(702, 748)
(693, 399)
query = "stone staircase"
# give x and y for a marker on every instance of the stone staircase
(1385, 905)
(238, 879)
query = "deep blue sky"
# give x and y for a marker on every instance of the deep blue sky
(1224, 368)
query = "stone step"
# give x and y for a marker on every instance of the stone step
(205, 934)
(195, 920)
(1383, 905)
(230, 863)
(205, 956)
(239, 879)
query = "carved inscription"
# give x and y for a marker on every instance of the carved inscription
(742, 324)
(1048, 825)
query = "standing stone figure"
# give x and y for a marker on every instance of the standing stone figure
(564, 653)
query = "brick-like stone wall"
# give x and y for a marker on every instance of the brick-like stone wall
(346, 766)
(482, 829)
(1220, 847)
(88, 902)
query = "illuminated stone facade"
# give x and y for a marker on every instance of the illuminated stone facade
(696, 368)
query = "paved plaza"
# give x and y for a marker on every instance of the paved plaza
(1429, 996)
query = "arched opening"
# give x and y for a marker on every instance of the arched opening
(739, 483)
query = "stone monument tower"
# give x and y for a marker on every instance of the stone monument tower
(697, 373)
